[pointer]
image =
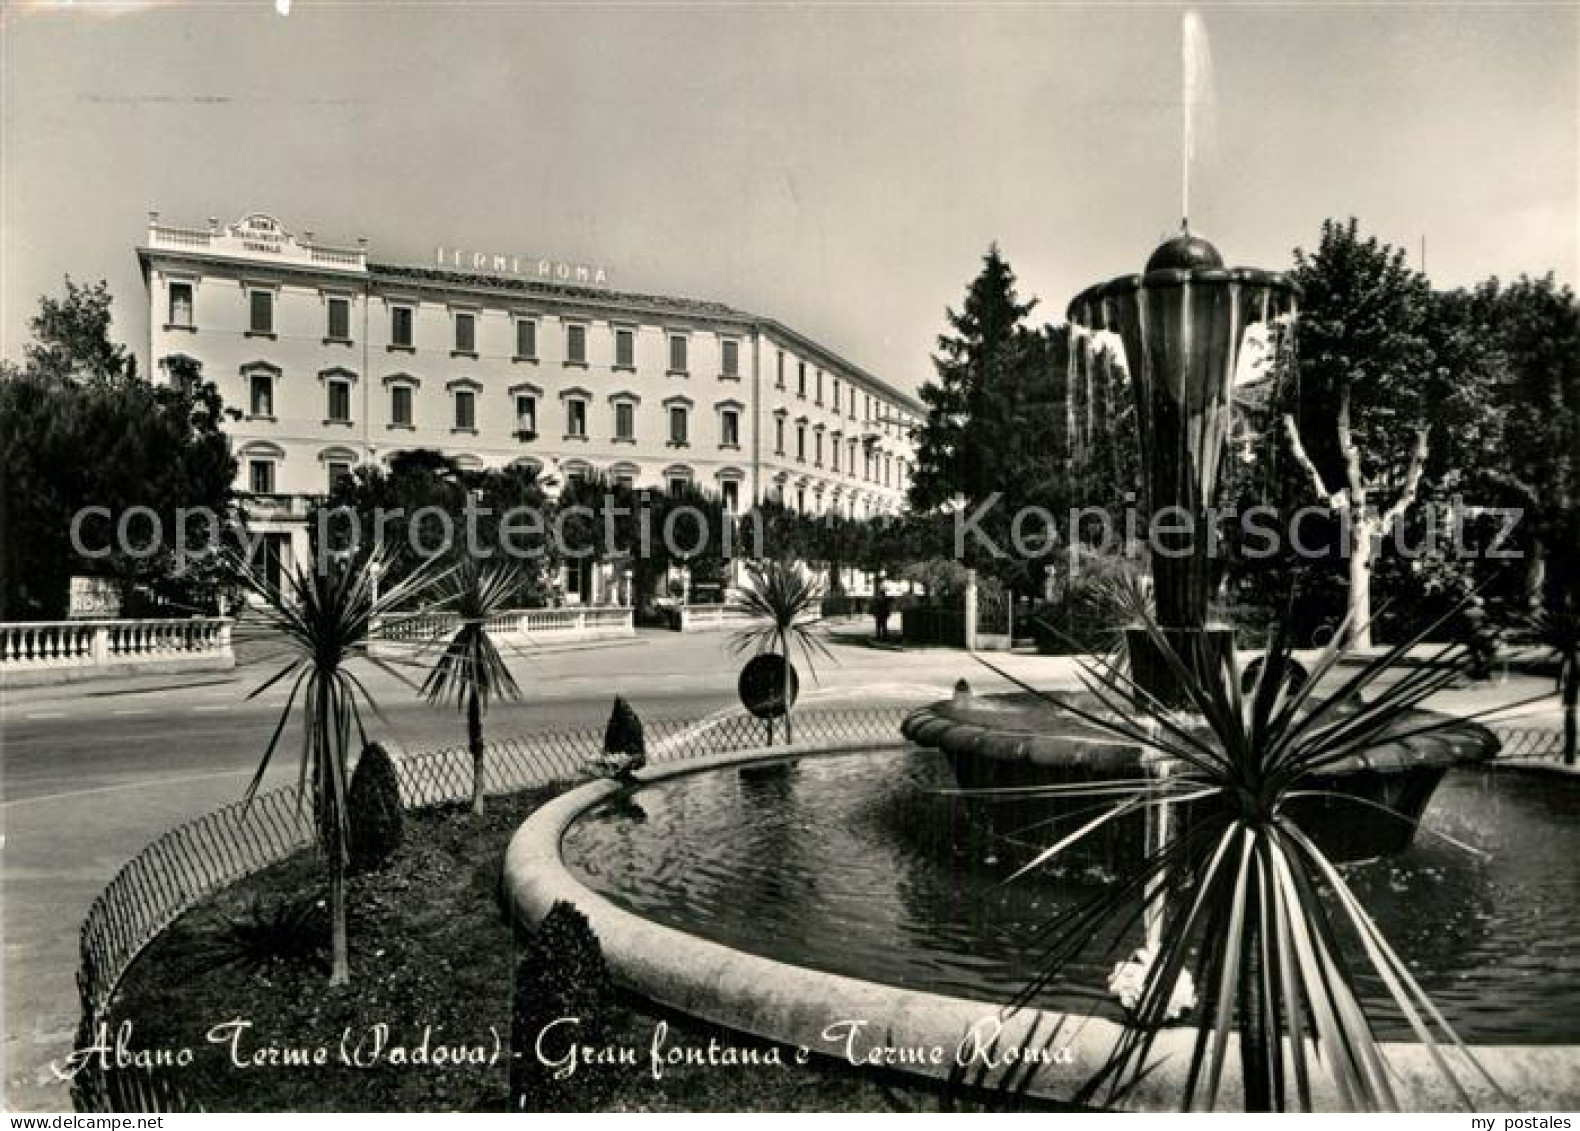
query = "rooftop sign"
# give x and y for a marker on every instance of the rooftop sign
(522, 266)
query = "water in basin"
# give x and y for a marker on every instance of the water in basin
(855, 864)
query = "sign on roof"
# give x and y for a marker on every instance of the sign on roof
(522, 266)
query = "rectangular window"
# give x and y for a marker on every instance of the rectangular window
(836, 396)
(465, 409)
(181, 305)
(465, 332)
(576, 343)
(800, 379)
(677, 353)
(833, 451)
(625, 421)
(730, 428)
(340, 402)
(779, 383)
(339, 316)
(779, 435)
(260, 476)
(732, 495)
(576, 418)
(526, 415)
(526, 338)
(401, 326)
(261, 305)
(625, 480)
(817, 449)
(819, 386)
(677, 485)
(400, 405)
(677, 425)
(730, 358)
(800, 442)
(261, 394)
(338, 470)
(625, 348)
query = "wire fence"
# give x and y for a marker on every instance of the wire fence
(1536, 744)
(192, 862)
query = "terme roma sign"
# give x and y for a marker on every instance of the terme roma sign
(525, 266)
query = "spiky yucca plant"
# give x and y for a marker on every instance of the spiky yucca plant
(469, 668)
(781, 598)
(1246, 897)
(323, 616)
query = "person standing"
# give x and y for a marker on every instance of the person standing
(882, 606)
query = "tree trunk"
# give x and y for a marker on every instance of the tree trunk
(1360, 587)
(784, 650)
(340, 960)
(474, 741)
(1571, 697)
(1253, 1031)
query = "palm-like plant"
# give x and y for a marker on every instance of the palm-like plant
(323, 616)
(469, 668)
(782, 600)
(1245, 895)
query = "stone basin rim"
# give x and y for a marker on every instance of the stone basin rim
(972, 731)
(791, 1005)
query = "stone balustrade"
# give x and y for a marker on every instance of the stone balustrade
(36, 652)
(591, 622)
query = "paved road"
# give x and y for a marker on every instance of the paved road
(92, 773)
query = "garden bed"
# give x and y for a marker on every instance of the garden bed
(430, 951)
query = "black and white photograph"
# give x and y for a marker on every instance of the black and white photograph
(872, 558)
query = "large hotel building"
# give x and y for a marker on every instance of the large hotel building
(329, 360)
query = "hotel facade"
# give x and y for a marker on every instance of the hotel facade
(328, 360)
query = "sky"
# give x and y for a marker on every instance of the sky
(841, 168)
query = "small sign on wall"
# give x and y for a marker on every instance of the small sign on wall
(94, 598)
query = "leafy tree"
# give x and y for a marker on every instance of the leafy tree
(71, 338)
(423, 496)
(1535, 325)
(77, 430)
(1358, 429)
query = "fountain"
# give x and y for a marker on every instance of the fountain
(1182, 323)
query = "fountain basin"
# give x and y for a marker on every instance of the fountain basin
(662, 946)
(1022, 741)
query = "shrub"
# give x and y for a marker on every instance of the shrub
(373, 810)
(560, 973)
(287, 931)
(624, 736)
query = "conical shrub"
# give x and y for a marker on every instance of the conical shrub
(624, 736)
(560, 974)
(375, 819)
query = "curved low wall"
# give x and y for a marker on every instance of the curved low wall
(925, 1033)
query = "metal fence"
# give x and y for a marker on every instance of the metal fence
(189, 863)
(1535, 743)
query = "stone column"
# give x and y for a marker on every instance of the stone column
(971, 610)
